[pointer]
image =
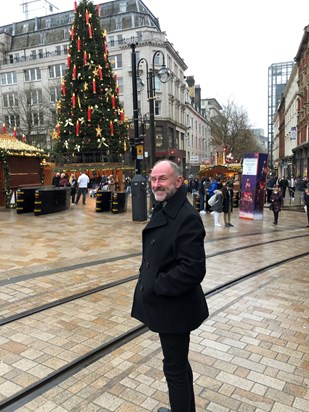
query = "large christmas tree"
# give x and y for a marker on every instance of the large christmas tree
(90, 116)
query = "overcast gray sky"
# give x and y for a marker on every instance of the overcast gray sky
(228, 45)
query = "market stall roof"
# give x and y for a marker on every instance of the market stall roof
(76, 167)
(13, 147)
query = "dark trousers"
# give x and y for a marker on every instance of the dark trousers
(208, 208)
(276, 216)
(177, 371)
(73, 194)
(81, 191)
(268, 194)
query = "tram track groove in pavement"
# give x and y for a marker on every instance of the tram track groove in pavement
(66, 299)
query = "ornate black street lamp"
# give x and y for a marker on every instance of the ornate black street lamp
(164, 75)
(138, 183)
(135, 106)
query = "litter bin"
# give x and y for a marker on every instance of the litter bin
(52, 200)
(139, 198)
(236, 199)
(103, 201)
(119, 202)
(196, 201)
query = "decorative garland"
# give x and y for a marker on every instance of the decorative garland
(7, 190)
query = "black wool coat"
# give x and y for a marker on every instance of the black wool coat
(168, 297)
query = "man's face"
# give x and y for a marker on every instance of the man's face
(164, 182)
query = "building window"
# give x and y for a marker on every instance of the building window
(58, 50)
(12, 121)
(116, 61)
(57, 70)
(10, 100)
(8, 78)
(118, 22)
(123, 6)
(159, 137)
(120, 84)
(34, 96)
(158, 108)
(171, 142)
(157, 58)
(157, 84)
(32, 74)
(55, 94)
(37, 118)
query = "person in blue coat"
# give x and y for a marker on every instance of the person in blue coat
(168, 297)
(212, 188)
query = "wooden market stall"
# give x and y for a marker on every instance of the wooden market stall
(224, 172)
(20, 165)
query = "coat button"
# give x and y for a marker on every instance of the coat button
(153, 242)
(141, 288)
(147, 264)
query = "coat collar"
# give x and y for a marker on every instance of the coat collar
(171, 209)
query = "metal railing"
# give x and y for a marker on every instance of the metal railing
(32, 57)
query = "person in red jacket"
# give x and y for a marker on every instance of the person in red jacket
(168, 297)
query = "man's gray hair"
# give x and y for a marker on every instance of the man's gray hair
(174, 166)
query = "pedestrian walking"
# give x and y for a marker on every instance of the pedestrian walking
(306, 201)
(227, 204)
(56, 179)
(217, 207)
(207, 184)
(201, 192)
(292, 183)
(168, 297)
(276, 203)
(82, 182)
(63, 180)
(73, 185)
(283, 184)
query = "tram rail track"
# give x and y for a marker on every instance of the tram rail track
(9, 279)
(109, 285)
(30, 392)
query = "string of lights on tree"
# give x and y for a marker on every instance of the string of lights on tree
(90, 115)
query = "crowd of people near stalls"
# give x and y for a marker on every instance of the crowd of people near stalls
(277, 190)
(290, 187)
(104, 182)
(221, 190)
(96, 183)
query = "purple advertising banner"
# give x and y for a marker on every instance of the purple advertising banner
(253, 186)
